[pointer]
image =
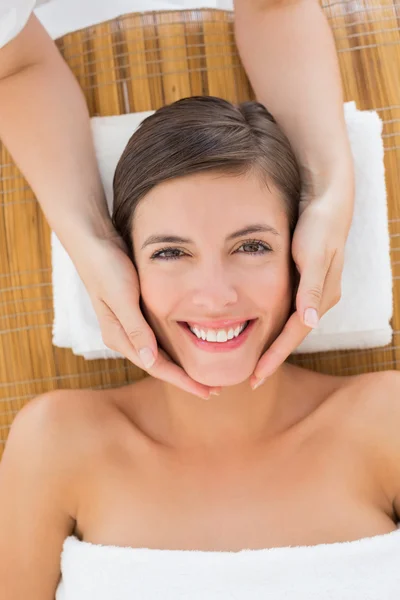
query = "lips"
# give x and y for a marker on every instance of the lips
(215, 341)
(220, 335)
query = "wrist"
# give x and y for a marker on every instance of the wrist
(335, 180)
(80, 236)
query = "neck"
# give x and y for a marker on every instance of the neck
(238, 416)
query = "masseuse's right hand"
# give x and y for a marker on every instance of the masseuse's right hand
(112, 282)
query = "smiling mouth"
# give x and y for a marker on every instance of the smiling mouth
(218, 336)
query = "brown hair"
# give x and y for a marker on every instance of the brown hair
(203, 133)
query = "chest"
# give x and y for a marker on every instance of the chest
(305, 492)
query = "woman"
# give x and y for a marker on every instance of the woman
(207, 209)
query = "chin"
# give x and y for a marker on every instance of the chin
(221, 377)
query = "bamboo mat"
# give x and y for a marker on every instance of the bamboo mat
(140, 62)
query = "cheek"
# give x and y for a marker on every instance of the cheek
(158, 293)
(278, 295)
(271, 286)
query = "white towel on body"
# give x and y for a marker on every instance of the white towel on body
(362, 317)
(365, 569)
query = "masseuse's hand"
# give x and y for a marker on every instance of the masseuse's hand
(112, 282)
(318, 252)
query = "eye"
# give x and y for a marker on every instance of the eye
(167, 254)
(254, 247)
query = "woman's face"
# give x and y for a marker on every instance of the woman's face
(213, 257)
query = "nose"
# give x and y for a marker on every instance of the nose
(214, 288)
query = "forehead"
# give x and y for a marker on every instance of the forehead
(206, 201)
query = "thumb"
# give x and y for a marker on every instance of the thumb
(309, 293)
(141, 337)
(128, 332)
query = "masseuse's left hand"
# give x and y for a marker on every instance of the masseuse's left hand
(113, 286)
(318, 252)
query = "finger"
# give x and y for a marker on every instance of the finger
(133, 338)
(138, 332)
(291, 336)
(117, 339)
(168, 371)
(310, 292)
(161, 368)
(295, 331)
(333, 284)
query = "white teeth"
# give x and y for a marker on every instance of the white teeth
(211, 336)
(218, 335)
(199, 333)
(222, 336)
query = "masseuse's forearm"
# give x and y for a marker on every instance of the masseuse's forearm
(44, 123)
(288, 51)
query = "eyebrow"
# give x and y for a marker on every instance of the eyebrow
(174, 239)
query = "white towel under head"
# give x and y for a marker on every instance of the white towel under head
(362, 317)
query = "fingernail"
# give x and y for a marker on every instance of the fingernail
(256, 385)
(311, 317)
(147, 357)
(214, 393)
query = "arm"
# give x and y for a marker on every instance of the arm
(44, 123)
(289, 54)
(36, 504)
(288, 51)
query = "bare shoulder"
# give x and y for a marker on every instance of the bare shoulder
(61, 425)
(371, 407)
(375, 396)
(48, 450)
(369, 398)
(61, 410)
(366, 410)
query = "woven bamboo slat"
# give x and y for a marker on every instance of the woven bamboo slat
(140, 62)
